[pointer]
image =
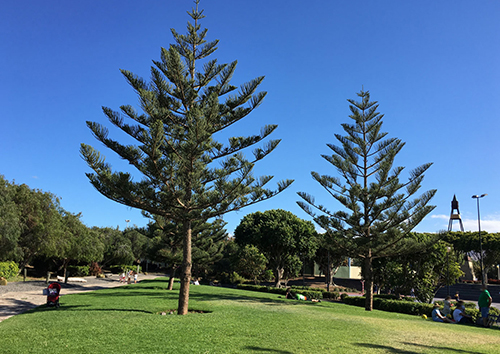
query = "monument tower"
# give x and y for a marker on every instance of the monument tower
(455, 216)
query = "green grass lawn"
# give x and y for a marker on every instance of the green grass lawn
(128, 320)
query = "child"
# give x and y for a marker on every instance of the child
(447, 306)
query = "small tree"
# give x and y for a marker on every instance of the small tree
(282, 237)
(329, 257)
(188, 175)
(77, 242)
(40, 222)
(381, 213)
(251, 263)
(10, 226)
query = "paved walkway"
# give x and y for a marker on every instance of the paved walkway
(14, 303)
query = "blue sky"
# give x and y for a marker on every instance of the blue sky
(431, 65)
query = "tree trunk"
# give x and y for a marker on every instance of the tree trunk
(278, 274)
(172, 276)
(65, 270)
(186, 271)
(368, 282)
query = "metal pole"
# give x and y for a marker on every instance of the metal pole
(448, 270)
(483, 282)
(480, 243)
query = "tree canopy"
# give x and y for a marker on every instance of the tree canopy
(282, 237)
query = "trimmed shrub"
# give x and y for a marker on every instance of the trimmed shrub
(410, 308)
(331, 295)
(8, 269)
(406, 307)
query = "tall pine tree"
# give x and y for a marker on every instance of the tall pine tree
(379, 209)
(188, 175)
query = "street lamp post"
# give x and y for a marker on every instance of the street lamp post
(477, 197)
(448, 249)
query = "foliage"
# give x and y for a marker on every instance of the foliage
(328, 256)
(188, 175)
(251, 263)
(78, 243)
(8, 269)
(379, 212)
(95, 269)
(425, 271)
(117, 247)
(467, 244)
(117, 269)
(235, 278)
(79, 271)
(10, 225)
(40, 221)
(282, 237)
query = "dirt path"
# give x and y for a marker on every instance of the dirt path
(14, 303)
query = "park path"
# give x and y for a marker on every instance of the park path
(17, 302)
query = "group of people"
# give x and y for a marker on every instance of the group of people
(458, 315)
(126, 277)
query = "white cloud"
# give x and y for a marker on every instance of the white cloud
(489, 223)
(445, 217)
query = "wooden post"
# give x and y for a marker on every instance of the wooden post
(48, 278)
(25, 273)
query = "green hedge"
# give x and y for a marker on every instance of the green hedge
(8, 269)
(310, 294)
(406, 307)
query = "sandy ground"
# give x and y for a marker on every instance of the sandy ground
(14, 303)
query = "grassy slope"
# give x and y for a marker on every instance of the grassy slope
(127, 320)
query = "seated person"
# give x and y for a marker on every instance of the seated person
(294, 296)
(459, 314)
(438, 317)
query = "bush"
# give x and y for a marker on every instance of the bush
(117, 269)
(8, 269)
(3, 281)
(235, 278)
(78, 271)
(331, 295)
(410, 308)
(267, 276)
(95, 269)
(406, 307)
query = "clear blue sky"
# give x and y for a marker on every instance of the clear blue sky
(432, 65)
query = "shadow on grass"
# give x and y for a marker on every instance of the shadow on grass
(260, 349)
(443, 348)
(17, 306)
(389, 349)
(86, 308)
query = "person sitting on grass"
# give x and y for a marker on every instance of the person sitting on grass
(294, 296)
(438, 317)
(459, 314)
